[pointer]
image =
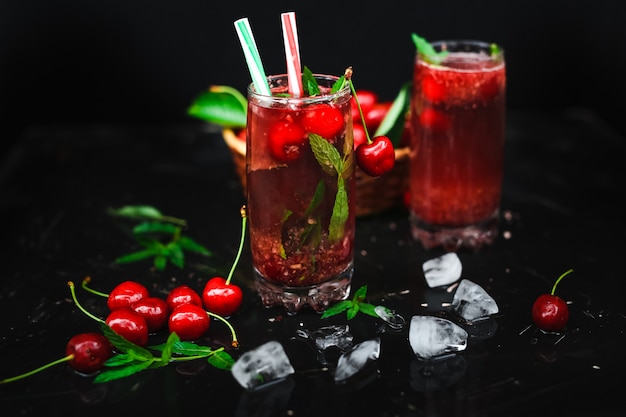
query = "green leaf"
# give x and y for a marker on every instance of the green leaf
(317, 199)
(137, 212)
(426, 50)
(120, 360)
(118, 373)
(360, 294)
(221, 360)
(368, 309)
(326, 154)
(392, 125)
(339, 84)
(176, 254)
(189, 244)
(221, 105)
(337, 308)
(340, 213)
(309, 83)
(160, 262)
(352, 311)
(124, 345)
(155, 227)
(136, 256)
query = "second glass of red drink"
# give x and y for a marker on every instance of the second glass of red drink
(457, 122)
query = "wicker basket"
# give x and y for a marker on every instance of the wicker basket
(373, 195)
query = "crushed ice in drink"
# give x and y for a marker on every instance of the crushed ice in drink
(357, 359)
(442, 270)
(431, 336)
(393, 320)
(262, 365)
(472, 302)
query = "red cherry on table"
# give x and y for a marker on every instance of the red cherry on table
(189, 322)
(125, 294)
(377, 157)
(154, 310)
(324, 120)
(183, 294)
(549, 311)
(220, 297)
(358, 132)
(367, 99)
(286, 139)
(89, 351)
(375, 116)
(129, 324)
(86, 353)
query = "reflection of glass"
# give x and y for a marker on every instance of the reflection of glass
(300, 185)
(457, 124)
(431, 375)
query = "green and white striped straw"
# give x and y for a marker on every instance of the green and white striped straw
(253, 59)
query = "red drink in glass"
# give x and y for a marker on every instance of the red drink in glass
(457, 150)
(300, 191)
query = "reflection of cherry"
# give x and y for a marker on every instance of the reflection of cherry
(219, 295)
(376, 157)
(85, 353)
(550, 312)
(189, 322)
(125, 294)
(129, 324)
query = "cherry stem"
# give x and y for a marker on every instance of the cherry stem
(86, 281)
(41, 368)
(244, 217)
(87, 313)
(559, 279)
(348, 76)
(235, 342)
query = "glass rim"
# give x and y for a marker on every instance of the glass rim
(470, 45)
(345, 91)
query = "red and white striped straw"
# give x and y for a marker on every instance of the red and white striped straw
(292, 53)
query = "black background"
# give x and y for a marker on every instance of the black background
(144, 61)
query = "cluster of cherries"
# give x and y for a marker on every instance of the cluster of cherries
(134, 314)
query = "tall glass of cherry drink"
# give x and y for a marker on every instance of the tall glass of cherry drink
(300, 194)
(457, 149)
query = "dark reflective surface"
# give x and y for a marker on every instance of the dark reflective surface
(561, 209)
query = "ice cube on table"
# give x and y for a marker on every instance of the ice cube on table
(334, 335)
(442, 270)
(393, 320)
(357, 359)
(431, 336)
(262, 365)
(472, 302)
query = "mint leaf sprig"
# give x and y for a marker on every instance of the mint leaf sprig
(160, 235)
(352, 307)
(427, 51)
(133, 359)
